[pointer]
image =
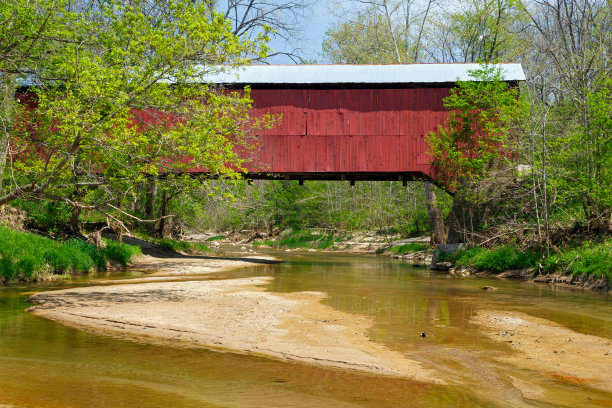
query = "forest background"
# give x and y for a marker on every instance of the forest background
(554, 195)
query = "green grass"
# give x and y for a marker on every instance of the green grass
(25, 256)
(410, 247)
(215, 238)
(177, 245)
(589, 259)
(496, 260)
(304, 239)
(121, 253)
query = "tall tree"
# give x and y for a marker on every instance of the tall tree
(471, 150)
(568, 63)
(475, 30)
(119, 93)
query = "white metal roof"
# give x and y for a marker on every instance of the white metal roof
(355, 74)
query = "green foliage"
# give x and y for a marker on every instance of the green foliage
(366, 39)
(111, 67)
(410, 247)
(589, 259)
(477, 30)
(25, 256)
(121, 253)
(496, 260)
(215, 238)
(579, 152)
(306, 239)
(47, 214)
(265, 205)
(480, 131)
(178, 245)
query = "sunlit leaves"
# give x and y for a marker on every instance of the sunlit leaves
(481, 131)
(120, 95)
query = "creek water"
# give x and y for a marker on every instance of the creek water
(46, 364)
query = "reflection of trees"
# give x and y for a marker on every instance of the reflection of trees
(402, 301)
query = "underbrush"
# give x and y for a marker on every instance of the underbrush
(410, 247)
(25, 256)
(588, 259)
(496, 260)
(177, 245)
(215, 238)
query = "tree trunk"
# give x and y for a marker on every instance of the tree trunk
(165, 227)
(436, 226)
(464, 218)
(151, 194)
(7, 109)
(74, 220)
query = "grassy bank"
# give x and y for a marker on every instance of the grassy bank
(410, 247)
(589, 259)
(177, 245)
(30, 257)
(305, 239)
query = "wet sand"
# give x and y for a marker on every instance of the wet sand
(238, 315)
(539, 344)
(233, 315)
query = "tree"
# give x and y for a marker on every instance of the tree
(282, 20)
(364, 40)
(120, 93)
(23, 25)
(568, 65)
(475, 30)
(474, 150)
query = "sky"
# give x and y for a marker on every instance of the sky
(315, 27)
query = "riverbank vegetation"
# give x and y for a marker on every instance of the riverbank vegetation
(588, 259)
(304, 239)
(525, 169)
(30, 257)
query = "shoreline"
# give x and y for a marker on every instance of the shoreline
(234, 315)
(238, 315)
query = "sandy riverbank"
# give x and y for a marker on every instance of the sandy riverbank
(238, 315)
(542, 345)
(232, 314)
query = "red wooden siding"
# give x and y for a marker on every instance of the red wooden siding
(373, 131)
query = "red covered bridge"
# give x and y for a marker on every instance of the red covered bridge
(349, 122)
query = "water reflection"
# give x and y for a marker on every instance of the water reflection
(44, 364)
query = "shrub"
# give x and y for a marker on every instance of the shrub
(215, 238)
(121, 253)
(589, 259)
(497, 260)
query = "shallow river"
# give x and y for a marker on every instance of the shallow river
(45, 364)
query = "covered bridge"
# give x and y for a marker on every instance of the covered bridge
(349, 122)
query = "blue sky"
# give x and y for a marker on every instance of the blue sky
(314, 31)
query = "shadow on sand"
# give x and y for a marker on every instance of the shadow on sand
(156, 251)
